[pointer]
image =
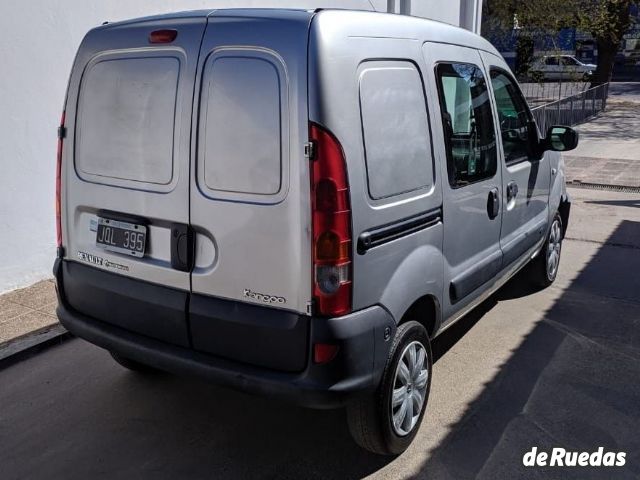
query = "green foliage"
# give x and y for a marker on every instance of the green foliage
(606, 20)
(601, 18)
(533, 15)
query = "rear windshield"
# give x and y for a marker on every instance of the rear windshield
(125, 123)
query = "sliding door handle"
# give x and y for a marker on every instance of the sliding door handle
(493, 203)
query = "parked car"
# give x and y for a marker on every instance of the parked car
(561, 67)
(297, 203)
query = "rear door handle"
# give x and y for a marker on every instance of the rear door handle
(182, 247)
(493, 203)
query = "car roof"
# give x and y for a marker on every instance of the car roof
(366, 19)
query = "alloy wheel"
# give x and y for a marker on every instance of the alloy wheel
(553, 249)
(409, 388)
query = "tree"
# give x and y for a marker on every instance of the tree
(606, 20)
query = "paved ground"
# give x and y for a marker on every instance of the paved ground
(609, 148)
(629, 91)
(27, 310)
(554, 368)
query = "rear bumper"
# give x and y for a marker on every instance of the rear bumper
(363, 339)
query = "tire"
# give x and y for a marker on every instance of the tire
(132, 364)
(371, 417)
(543, 274)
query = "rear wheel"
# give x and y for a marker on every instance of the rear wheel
(544, 268)
(387, 421)
(132, 364)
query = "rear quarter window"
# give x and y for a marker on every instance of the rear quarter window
(395, 128)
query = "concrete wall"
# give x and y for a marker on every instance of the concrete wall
(40, 38)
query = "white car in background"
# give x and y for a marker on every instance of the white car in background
(561, 67)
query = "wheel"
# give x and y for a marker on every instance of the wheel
(544, 268)
(386, 421)
(132, 364)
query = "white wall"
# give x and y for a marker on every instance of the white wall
(39, 41)
(464, 13)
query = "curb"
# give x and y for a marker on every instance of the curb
(31, 344)
(603, 186)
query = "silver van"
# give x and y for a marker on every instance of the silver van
(296, 203)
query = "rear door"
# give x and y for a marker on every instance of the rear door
(472, 192)
(526, 175)
(127, 147)
(250, 207)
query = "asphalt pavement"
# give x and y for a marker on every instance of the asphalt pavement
(551, 368)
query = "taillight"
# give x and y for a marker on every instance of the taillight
(331, 217)
(61, 132)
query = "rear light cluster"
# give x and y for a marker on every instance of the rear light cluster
(331, 218)
(61, 132)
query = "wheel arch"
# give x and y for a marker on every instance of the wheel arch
(426, 311)
(415, 287)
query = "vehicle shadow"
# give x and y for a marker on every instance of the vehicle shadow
(572, 383)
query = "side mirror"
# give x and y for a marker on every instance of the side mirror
(561, 139)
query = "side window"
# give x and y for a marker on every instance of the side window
(552, 61)
(468, 123)
(395, 129)
(514, 117)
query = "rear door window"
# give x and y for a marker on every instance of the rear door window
(240, 147)
(395, 129)
(467, 122)
(126, 117)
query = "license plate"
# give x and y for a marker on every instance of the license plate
(121, 237)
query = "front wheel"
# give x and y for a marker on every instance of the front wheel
(544, 268)
(387, 421)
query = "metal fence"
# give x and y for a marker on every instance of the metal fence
(572, 110)
(540, 93)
